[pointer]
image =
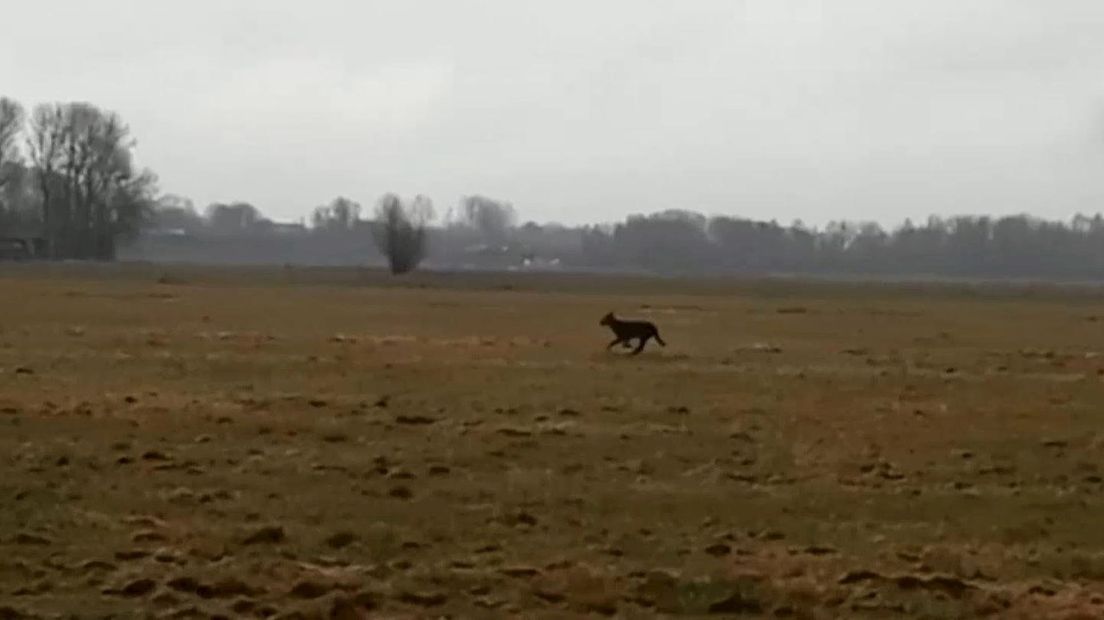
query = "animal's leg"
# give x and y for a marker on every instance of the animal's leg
(615, 341)
(640, 345)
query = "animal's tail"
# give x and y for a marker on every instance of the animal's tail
(658, 339)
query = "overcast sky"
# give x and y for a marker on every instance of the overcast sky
(581, 111)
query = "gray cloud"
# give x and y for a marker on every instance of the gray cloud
(581, 111)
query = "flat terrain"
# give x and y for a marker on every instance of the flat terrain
(183, 442)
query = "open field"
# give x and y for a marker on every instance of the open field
(191, 442)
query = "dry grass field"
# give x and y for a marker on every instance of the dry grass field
(182, 442)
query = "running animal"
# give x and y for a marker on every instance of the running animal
(626, 331)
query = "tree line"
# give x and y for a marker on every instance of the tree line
(481, 232)
(68, 176)
(963, 246)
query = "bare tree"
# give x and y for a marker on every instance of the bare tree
(132, 204)
(172, 212)
(237, 217)
(11, 126)
(112, 197)
(494, 219)
(400, 231)
(11, 168)
(340, 214)
(45, 146)
(89, 189)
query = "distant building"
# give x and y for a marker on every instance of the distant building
(288, 228)
(536, 263)
(166, 232)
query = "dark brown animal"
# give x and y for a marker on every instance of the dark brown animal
(625, 331)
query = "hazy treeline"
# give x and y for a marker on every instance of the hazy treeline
(67, 176)
(484, 233)
(1014, 246)
(480, 232)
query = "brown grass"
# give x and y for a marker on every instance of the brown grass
(331, 444)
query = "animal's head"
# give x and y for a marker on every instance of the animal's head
(607, 320)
